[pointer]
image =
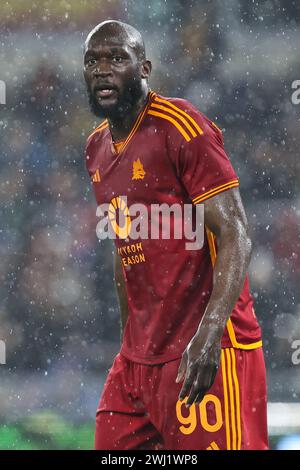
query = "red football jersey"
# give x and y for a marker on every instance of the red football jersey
(173, 154)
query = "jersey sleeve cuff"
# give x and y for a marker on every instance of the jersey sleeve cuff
(212, 192)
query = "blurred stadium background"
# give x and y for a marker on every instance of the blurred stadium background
(236, 61)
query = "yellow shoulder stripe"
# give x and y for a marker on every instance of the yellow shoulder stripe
(179, 116)
(231, 399)
(183, 113)
(173, 121)
(214, 191)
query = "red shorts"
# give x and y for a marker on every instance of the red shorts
(139, 407)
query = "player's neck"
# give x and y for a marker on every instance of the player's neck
(120, 128)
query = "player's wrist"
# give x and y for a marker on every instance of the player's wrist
(212, 327)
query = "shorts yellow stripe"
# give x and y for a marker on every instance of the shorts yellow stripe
(182, 119)
(234, 341)
(173, 121)
(215, 190)
(237, 397)
(232, 407)
(227, 427)
(186, 115)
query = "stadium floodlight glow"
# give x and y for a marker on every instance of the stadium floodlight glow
(2, 92)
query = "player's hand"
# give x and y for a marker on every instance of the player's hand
(199, 365)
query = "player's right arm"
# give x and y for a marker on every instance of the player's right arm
(209, 177)
(121, 291)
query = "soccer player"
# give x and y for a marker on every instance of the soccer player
(190, 373)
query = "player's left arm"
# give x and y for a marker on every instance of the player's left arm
(225, 216)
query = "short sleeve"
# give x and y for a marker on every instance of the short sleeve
(204, 167)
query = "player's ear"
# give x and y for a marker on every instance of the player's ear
(146, 69)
